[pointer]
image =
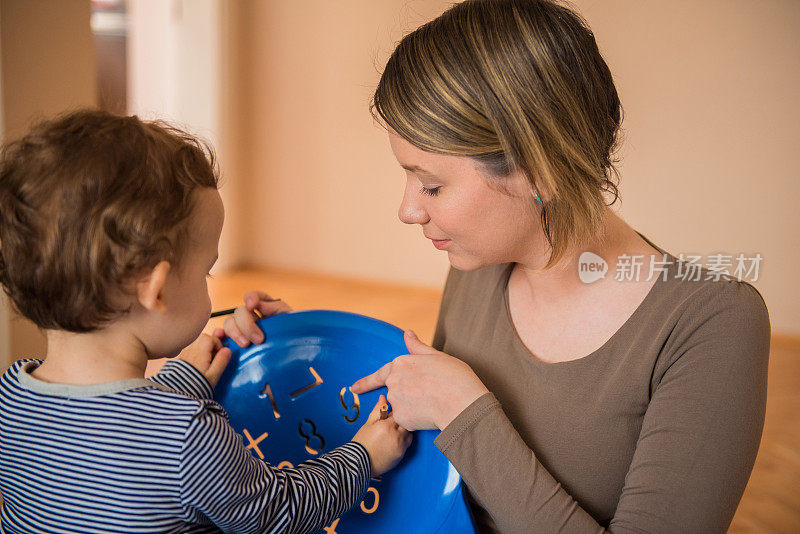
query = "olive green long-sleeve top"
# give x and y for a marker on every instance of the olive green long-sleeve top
(656, 431)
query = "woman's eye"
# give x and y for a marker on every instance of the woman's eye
(430, 192)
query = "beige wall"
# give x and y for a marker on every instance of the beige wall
(712, 116)
(47, 59)
(321, 187)
(709, 89)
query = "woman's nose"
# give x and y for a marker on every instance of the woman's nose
(411, 210)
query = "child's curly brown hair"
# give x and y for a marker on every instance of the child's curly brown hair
(88, 201)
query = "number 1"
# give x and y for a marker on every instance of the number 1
(268, 392)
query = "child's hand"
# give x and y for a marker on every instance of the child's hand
(241, 326)
(385, 441)
(208, 356)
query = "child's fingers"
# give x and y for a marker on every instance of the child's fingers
(247, 325)
(406, 435)
(400, 429)
(375, 414)
(205, 343)
(218, 365)
(267, 308)
(264, 303)
(219, 333)
(251, 299)
(233, 332)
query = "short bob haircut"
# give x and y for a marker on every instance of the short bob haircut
(518, 85)
(88, 201)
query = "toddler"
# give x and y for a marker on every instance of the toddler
(108, 228)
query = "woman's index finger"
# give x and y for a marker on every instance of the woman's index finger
(372, 381)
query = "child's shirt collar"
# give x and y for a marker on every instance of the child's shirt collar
(29, 382)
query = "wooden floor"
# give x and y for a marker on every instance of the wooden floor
(771, 502)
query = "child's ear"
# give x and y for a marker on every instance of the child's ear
(150, 288)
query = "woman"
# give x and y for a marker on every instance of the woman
(625, 404)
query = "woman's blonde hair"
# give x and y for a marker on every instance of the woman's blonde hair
(517, 85)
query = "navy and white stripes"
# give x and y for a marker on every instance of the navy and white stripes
(152, 456)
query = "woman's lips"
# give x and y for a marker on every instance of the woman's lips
(441, 244)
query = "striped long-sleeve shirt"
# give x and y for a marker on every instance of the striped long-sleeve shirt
(153, 455)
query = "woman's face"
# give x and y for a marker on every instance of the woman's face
(479, 220)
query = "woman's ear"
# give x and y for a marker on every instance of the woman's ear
(535, 190)
(150, 288)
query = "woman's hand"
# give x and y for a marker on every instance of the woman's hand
(427, 388)
(241, 326)
(207, 355)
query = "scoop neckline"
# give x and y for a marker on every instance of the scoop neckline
(649, 297)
